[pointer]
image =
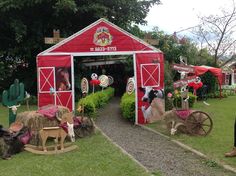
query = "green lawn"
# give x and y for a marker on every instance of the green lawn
(95, 156)
(220, 140)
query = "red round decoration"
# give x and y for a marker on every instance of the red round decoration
(95, 82)
(195, 85)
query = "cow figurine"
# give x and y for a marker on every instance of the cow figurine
(155, 99)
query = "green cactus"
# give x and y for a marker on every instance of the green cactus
(13, 96)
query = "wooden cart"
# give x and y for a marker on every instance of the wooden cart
(195, 122)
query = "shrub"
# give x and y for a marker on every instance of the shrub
(177, 99)
(96, 100)
(216, 94)
(128, 106)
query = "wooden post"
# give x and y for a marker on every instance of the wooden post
(55, 39)
(148, 38)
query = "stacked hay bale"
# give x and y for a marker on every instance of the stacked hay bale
(36, 121)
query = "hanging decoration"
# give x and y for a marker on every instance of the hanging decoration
(104, 81)
(94, 82)
(130, 86)
(84, 86)
(110, 80)
(52, 90)
(52, 93)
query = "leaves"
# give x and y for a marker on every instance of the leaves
(25, 23)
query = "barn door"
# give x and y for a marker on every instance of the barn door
(46, 85)
(63, 87)
(55, 81)
(149, 73)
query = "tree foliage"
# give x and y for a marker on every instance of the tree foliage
(25, 23)
(174, 46)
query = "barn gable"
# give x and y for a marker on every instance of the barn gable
(100, 36)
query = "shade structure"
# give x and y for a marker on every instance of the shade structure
(217, 72)
(199, 70)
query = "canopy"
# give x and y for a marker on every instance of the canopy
(199, 70)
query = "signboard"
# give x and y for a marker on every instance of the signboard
(185, 68)
(84, 85)
(184, 82)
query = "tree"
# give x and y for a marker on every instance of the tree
(24, 24)
(217, 32)
(174, 46)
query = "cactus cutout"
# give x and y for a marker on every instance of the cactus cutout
(12, 97)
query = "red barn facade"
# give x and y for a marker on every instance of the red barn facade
(101, 38)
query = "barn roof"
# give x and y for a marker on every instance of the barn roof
(100, 36)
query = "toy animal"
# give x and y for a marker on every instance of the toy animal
(155, 99)
(58, 132)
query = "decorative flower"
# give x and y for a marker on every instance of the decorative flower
(169, 95)
(176, 92)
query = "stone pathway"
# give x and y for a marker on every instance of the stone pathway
(153, 151)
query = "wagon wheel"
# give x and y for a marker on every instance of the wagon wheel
(84, 129)
(199, 123)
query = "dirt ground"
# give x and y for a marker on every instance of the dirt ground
(153, 151)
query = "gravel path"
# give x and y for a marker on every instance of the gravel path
(153, 151)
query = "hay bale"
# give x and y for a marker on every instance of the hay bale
(36, 121)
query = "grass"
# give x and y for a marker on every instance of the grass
(220, 140)
(95, 156)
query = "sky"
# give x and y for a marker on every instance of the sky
(175, 15)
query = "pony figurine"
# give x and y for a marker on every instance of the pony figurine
(59, 132)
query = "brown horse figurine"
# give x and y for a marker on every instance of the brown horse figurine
(63, 79)
(58, 132)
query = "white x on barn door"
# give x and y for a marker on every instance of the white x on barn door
(64, 99)
(150, 75)
(46, 79)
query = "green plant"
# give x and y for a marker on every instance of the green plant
(210, 80)
(89, 107)
(216, 94)
(96, 100)
(177, 99)
(12, 97)
(211, 163)
(128, 106)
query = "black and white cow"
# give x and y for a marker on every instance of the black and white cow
(155, 99)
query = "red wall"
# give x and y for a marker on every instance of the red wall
(146, 63)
